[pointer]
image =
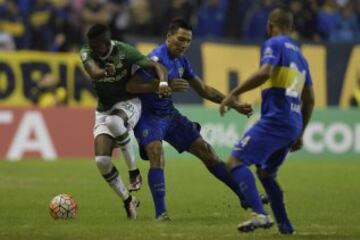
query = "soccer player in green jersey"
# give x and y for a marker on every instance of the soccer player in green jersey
(110, 65)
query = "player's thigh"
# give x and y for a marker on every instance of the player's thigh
(100, 126)
(182, 133)
(257, 144)
(129, 110)
(204, 151)
(104, 145)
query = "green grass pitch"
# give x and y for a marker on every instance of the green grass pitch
(323, 200)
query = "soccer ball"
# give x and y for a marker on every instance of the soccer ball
(63, 206)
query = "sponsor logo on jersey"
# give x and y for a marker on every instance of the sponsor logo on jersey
(268, 53)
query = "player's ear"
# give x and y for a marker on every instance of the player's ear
(168, 35)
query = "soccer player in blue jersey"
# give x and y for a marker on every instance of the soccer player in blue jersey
(287, 104)
(160, 120)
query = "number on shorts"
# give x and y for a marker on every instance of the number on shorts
(245, 141)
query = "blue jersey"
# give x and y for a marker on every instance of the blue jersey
(267, 143)
(281, 93)
(159, 119)
(177, 68)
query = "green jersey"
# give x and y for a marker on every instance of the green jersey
(111, 90)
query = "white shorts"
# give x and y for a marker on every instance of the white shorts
(131, 107)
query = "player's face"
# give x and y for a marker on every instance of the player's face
(179, 41)
(100, 47)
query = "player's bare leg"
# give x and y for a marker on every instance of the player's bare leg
(117, 123)
(103, 150)
(156, 179)
(205, 152)
(245, 179)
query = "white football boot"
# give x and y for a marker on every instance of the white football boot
(256, 221)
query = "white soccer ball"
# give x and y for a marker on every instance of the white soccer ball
(63, 206)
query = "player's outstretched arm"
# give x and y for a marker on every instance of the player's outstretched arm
(254, 81)
(179, 85)
(206, 91)
(215, 96)
(308, 102)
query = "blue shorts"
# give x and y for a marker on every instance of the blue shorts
(174, 128)
(265, 146)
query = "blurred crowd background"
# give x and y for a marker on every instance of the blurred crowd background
(60, 25)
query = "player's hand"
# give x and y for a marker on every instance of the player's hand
(297, 145)
(243, 108)
(110, 69)
(226, 103)
(164, 91)
(179, 85)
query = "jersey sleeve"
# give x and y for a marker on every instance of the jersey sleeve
(85, 54)
(188, 71)
(135, 57)
(270, 52)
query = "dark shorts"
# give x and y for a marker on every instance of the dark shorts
(174, 128)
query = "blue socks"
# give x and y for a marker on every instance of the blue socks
(246, 181)
(220, 172)
(276, 198)
(156, 181)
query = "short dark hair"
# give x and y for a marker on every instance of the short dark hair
(177, 23)
(282, 18)
(97, 30)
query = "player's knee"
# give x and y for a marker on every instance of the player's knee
(116, 125)
(103, 163)
(154, 148)
(233, 162)
(154, 151)
(262, 174)
(114, 120)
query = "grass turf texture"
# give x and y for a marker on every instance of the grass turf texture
(322, 199)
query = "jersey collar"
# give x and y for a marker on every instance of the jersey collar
(110, 51)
